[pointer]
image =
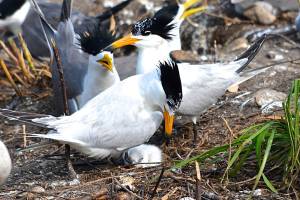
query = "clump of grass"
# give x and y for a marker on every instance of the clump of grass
(273, 145)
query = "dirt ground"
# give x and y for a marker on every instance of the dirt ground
(37, 175)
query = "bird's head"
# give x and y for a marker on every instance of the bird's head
(150, 32)
(171, 83)
(93, 42)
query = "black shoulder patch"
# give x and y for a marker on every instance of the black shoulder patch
(9, 7)
(95, 40)
(171, 83)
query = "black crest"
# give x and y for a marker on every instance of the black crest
(157, 25)
(167, 12)
(95, 40)
(9, 7)
(171, 83)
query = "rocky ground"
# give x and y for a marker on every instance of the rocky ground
(209, 37)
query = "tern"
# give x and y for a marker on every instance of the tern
(5, 163)
(176, 13)
(123, 116)
(202, 84)
(74, 60)
(12, 14)
(18, 16)
(101, 73)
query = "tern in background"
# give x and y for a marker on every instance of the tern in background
(18, 16)
(74, 61)
(176, 13)
(125, 115)
(5, 163)
(13, 14)
(202, 84)
(101, 72)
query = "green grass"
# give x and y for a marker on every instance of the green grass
(274, 147)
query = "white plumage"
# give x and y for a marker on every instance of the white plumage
(144, 155)
(5, 163)
(123, 116)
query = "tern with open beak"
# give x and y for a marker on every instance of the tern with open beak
(125, 115)
(202, 84)
(101, 72)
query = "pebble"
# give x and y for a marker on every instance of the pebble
(237, 44)
(257, 193)
(187, 198)
(38, 189)
(261, 12)
(264, 97)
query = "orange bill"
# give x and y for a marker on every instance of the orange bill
(125, 41)
(169, 121)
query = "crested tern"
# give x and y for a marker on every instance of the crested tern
(202, 84)
(125, 115)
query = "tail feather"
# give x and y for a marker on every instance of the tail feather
(66, 10)
(61, 138)
(107, 14)
(48, 30)
(24, 117)
(251, 52)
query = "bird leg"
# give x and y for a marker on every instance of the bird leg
(195, 131)
(71, 170)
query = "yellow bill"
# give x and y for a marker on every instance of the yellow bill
(125, 41)
(106, 62)
(192, 11)
(169, 121)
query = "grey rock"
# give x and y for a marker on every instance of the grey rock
(264, 97)
(262, 12)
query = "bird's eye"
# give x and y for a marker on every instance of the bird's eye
(147, 33)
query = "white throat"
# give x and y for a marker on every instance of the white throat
(149, 57)
(96, 81)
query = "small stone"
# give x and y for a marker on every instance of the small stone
(187, 198)
(184, 56)
(123, 196)
(38, 189)
(264, 97)
(233, 88)
(237, 44)
(262, 12)
(257, 193)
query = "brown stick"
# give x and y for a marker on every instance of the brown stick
(61, 77)
(26, 52)
(24, 69)
(8, 52)
(11, 80)
(198, 179)
(157, 183)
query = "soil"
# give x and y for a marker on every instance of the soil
(42, 173)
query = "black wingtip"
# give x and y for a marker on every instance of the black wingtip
(112, 11)
(66, 10)
(171, 83)
(251, 52)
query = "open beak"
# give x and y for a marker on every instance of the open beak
(169, 121)
(188, 12)
(106, 62)
(125, 41)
